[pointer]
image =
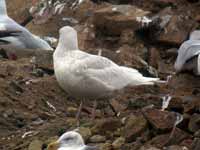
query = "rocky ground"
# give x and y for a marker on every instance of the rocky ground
(35, 110)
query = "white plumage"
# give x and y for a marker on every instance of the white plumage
(70, 141)
(25, 39)
(187, 51)
(90, 76)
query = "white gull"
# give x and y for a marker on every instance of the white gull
(88, 76)
(70, 141)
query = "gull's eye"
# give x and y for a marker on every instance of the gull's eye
(68, 139)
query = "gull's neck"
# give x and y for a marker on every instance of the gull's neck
(66, 44)
(3, 10)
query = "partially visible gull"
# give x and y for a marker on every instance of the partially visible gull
(88, 76)
(25, 40)
(70, 141)
(44, 10)
(4, 34)
(188, 55)
(195, 35)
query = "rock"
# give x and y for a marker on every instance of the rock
(187, 143)
(134, 127)
(71, 122)
(197, 133)
(193, 1)
(154, 57)
(194, 123)
(148, 148)
(147, 100)
(177, 30)
(176, 103)
(117, 106)
(196, 144)
(37, 121)
(126, 37)
(42, 58)
(108, 124)
(85, 132)
(164, 139)
(164, 2)
(105, 146)
(132, 146)
(72, 111)
(169, 27)
(16, 87)
(160, 120)
(176, 147)
(86, 37)
(35, 145)
(114, 19)
(118, 143)
(97, 139)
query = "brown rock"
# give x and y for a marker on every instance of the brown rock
(187, 143)
(135, 125)
(164, 2)
(116, 18)
(118, 143)
(176, 147)
(117, 106)
(177, 30)
(106, 146)
(148, 148)
(154, 57)
(164, 139)
(194, 123)
(196, 144)
(97, 139)
(160, 120)
(108, 124)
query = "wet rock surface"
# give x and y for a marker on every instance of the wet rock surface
(36, 111)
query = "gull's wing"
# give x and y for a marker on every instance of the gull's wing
(85, 60)
(4, 42)
(103, 71)
(187, 50)
(6, 33)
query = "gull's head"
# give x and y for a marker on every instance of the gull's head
(68, 139)
(68, 38)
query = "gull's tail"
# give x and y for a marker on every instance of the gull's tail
(3, 9)
(137, 78)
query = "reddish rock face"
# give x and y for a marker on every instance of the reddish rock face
(116, 18)
(161, 120)
(164, 139)
(135, 125)
(177, 30)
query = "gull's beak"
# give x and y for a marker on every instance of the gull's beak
(53, 146)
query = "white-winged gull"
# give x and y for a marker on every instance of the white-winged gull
(88, 76)
(70, 141)
(188, 58)
(25, 40)
(4, 33)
